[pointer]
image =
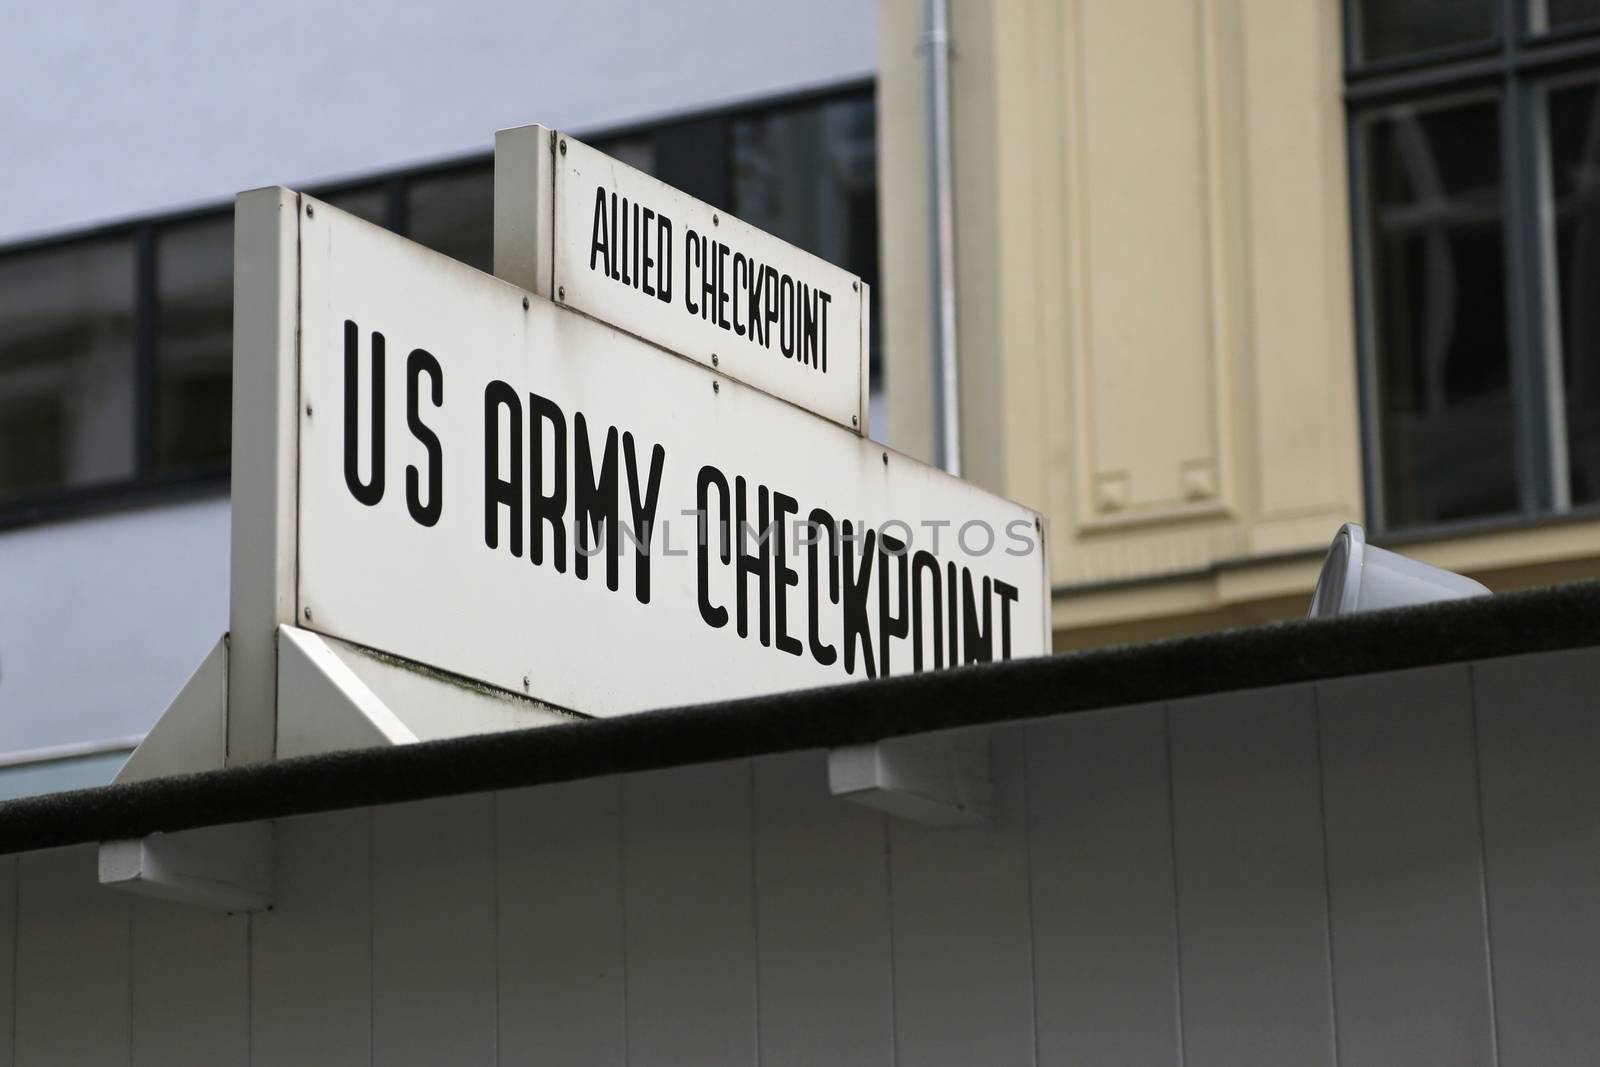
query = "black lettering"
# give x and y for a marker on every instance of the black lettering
(758, 322)
(709, 282)
(722, 285)
(708, 477)
(420, 362)
(600, 238)
(857, 627)
(370, 492)
(622, 244)
(1008, 596)
(748, 563)
(547, 508)
(664, 255)
(633, 248)
(611, 253)
(925, 562)
(691, 253)
(739, 267)
(823, 299)
(497, 490)
(978, 640)
(783, 506)
(771, 314)
(808, 331)
(594, 501)
(644, 255)
(644, 511)
(892, 622)
(786, 323)
(821, 520)
(953, 623)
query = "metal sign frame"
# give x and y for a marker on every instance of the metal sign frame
(700, 283)
(276, 231)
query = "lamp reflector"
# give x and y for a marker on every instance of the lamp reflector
(1360, 577)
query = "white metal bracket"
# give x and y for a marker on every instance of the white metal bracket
(324, 703)
(191, 734)
(935, 779)
(218, 868)
(323, 706)
(335, 695)
(330, 695)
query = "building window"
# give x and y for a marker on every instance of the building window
(192, 404)
(1386, 29)
(371, 202)
(453, 213)
(810, 176)
(116, 348)
(1572, 118)
(67, 325)
(1475, 160)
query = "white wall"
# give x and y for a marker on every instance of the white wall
(1396, 869)
(126, 107)
(103, 619)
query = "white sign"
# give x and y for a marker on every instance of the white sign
(500, 488)
(638, 254)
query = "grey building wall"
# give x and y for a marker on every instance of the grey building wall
(102, 619)
(1395, 869)
(132, 106)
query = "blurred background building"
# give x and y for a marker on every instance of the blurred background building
(1234, 271)
(1228, 273)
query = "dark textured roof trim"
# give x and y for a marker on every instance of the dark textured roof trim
(1509, 624)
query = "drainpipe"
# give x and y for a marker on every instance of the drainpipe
(941, 206)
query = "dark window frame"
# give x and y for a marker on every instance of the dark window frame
(1515, 66)
(671, 137)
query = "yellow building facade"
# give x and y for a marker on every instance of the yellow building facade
(1157, 330)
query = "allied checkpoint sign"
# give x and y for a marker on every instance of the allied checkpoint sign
(603, 238)
(494, 486)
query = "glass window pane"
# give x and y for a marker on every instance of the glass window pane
(1574, 167)
(1390, 28)
(809, 174)
(636, 152)
(370, 203)
(1554, 14)
(66, 367)
(454, 214)
(1439, 316)
(194, 345)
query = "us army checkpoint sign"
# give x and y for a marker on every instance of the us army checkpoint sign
(495, 486)
(603, 238)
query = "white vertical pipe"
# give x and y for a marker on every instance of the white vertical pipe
(941, 205)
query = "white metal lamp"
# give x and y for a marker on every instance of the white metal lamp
(1358, 577)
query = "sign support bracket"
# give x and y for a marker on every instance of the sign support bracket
(216, 868)
(934, 779)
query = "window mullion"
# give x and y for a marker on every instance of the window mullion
(1366, 344)
(1540, 443)
(145, 324)
(395, 216)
